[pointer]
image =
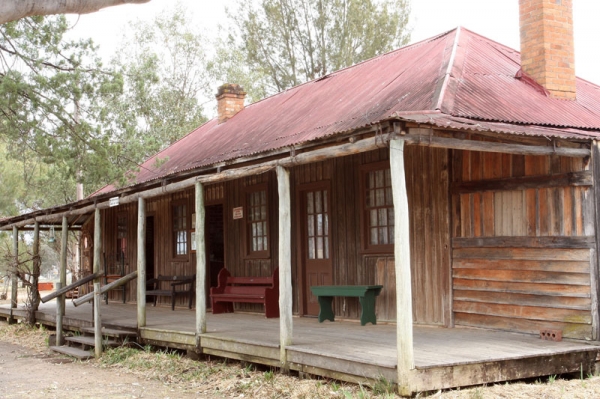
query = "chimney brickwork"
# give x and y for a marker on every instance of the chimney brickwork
(547, 48)
(230, 101)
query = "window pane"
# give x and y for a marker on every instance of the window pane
(373, 219)
(318, 202)
(388, 196)
(311, 226)
(383, 237)
(320, 224)
(326, 247)
(325, 201)
(310, 203)
(373, 235)
(311, 248)
(379, 197)
(320, 248)
(326, 228)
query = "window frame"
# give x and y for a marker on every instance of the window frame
(187, 228)
(250, 254)
(367, 247)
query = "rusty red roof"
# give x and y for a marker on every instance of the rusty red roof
(458, 79)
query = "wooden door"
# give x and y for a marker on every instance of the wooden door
(316, 242)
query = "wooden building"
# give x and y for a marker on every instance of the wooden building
(453, 172)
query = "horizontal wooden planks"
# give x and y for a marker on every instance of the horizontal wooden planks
(515, 288)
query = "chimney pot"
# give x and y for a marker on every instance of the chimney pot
(230, 101)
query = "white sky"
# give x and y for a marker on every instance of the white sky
(497, 20)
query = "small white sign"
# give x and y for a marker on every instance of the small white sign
(238, 213)
(114, 201)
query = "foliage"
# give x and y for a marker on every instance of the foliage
(289, 42)
(51, 96)
(164, 68)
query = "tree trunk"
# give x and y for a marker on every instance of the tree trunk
(11, 10)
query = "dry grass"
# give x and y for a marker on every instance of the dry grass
(233, 379)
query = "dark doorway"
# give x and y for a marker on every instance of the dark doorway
(149, 251)
(215, 245)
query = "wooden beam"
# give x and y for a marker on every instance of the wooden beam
(97, 321)
(422, 137)
(285, 264)
(15, 270)
(105, 288)
(583, 178)
(595, 266)
(63, 257)
(60, 312)
(36, 266)
(566, 242)
(200, 264)
(96, 269)
(141, 264)
(404, 321)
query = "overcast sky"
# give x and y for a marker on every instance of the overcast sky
(497, 20)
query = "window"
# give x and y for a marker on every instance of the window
(180, 233)
(257, 221)
(378, 218)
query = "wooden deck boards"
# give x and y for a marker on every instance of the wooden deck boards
(345, 343)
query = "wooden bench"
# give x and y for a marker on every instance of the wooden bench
(232, 290)
(177, 288)
(366, 295)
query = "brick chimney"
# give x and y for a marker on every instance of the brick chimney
(230, 101)
(547, 49)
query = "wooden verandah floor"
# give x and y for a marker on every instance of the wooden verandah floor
(444, 357)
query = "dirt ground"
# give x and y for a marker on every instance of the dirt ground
(33, 374)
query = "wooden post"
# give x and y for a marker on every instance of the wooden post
(13, 275)
(200, 265)
(60, 311)
(285, 264)
(97, 298)
(36, 267)
(594, 269)
(141, 264)
(404, 321)
(63, 260)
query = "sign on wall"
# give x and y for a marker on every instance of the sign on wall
(238, 213)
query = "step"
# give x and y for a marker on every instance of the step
(111, 332)
(73, 352)
(90, 341)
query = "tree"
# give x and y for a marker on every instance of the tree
(12, 10)
(52, 93)
(163, 64)
(293, 41)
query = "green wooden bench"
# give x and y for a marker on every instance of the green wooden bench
(366, 295)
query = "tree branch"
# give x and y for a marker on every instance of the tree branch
(11, 10)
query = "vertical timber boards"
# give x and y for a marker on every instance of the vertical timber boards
(522, 252)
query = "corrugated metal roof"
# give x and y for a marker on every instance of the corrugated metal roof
(470, 79)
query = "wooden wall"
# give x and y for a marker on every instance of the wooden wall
(427, 183)
(523, 231)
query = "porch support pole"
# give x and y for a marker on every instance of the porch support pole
(200, 264)
(13, 274)
(63, 260)
(36, 266)
(404, 322)
(285, 264)
(595, 262)
(97, 298)
(141, 264)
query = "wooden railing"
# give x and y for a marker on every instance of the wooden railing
(106, 288)
(71, 286)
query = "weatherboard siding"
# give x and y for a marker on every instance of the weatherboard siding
(522, 243)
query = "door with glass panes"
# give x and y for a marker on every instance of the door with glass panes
(316, 241)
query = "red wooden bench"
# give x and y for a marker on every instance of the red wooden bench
(232, 290)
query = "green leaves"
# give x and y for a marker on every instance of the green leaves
(292, 41)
